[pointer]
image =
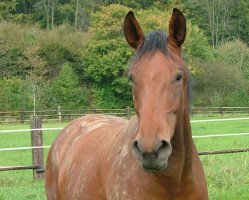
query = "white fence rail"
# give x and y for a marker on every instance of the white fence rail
(60, 128)
(196, 136)
(28, 130)
(192, 121)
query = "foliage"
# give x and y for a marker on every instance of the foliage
(11, 51)
(6, 7)
(235, 53)
(214, 84)
(221, 20)
(35, 57)
(106, 56)
(56, 53)
(26, 48)
(66, 90)
(13, 94)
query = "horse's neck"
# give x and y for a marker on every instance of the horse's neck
(188, 145)
(180, 163)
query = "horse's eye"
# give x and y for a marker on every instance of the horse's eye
(179, 77)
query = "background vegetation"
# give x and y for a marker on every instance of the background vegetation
(73, 53)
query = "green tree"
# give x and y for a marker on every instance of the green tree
(66, 91)
(12, 58)
(105, 58)
(221, 20)
(56, 53)
(13, 94)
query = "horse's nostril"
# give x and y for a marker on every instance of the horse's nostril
(137, 147)
(163, 146)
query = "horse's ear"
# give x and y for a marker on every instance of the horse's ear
(132, 30)
(177, 28)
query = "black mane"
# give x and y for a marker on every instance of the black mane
(155, 40)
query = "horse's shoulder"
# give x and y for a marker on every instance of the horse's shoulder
(86, 124)
(82, 127)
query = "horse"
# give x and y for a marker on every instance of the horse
(152, 156)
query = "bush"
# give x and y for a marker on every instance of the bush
(14, 94)
(238, 98)
(235, 53)
(216, 84)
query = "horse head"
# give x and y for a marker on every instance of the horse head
(160, 89)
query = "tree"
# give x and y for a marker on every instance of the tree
(12, 58)
(221, 20)
(13, 94)
(66, 90)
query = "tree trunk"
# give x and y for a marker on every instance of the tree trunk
(210, 20)
(76, 15)
(46, 4)
(52, 14)
(217, 16)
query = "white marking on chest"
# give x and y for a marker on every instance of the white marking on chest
(124, 151)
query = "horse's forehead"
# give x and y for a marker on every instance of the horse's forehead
(155, 64)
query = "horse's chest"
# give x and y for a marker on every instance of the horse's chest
(127, 186)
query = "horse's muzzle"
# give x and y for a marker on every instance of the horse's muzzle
(154, 161)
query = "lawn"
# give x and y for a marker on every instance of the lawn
(227, 174)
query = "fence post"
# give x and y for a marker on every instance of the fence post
(221, 111)
(128, 112)
(22, 117)
(36, 140)
(59, 114)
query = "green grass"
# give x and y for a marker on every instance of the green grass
(227, 175)
(19, 185)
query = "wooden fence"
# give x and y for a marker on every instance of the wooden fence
(60, 115)
(68, 115)
(37, 153)
(220, 110)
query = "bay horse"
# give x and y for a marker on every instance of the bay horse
(152, 156)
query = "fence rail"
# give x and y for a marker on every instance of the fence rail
(6, 168)
(59, 115)
(67, 115)
(203, 153)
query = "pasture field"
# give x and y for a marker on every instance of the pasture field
(227, 174)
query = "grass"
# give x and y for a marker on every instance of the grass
(227, 175)
(19, 185)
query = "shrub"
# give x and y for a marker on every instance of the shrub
(216, 83)
(13, 94)
(235, 53)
